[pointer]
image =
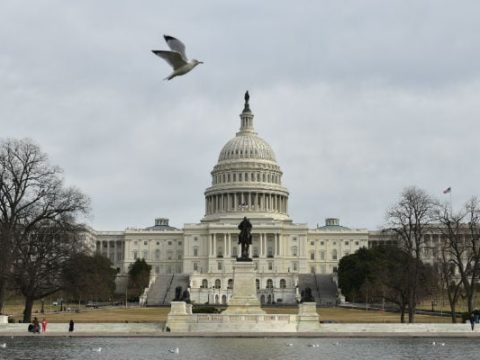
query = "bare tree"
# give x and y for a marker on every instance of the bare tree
(462, 246)
(31, 192)
(409, 219)
(453, 253)
(41, 257)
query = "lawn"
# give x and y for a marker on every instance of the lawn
(159, 314)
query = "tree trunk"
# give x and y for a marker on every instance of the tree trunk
(453, 313)
(27, 312)
(3, 294)
(402, 314)
(411, 305)
(470, 296)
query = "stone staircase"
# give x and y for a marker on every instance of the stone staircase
(323, 288)
(162, 291)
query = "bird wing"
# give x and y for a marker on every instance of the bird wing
(176, 45)
(175, 59)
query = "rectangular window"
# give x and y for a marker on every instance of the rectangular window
(135, 255)
(195, 266)
(295, 266)
(270, 265)
(219, 265)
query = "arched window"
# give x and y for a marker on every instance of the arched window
(230, 283)
(312, 255)
(218, 284)
(269, 284)
(224, 299)
(283, 284)
(204, 284)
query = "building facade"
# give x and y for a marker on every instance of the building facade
(246, 181)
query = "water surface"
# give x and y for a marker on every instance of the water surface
(79, 348)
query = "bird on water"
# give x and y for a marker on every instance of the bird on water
(176, 57)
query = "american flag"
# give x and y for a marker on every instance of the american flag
(447, 190)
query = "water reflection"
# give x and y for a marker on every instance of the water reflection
(76, 348)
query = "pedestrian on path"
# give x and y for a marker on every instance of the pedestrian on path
(44, 325)
(472, 320)
(71, 325)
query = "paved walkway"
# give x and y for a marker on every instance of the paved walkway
(325, 331)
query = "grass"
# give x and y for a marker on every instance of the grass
(159, 314)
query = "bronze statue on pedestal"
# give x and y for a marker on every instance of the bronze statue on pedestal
(245, 239)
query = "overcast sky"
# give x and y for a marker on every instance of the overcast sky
(358, 99)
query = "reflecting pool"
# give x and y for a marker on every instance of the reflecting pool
(59, 348)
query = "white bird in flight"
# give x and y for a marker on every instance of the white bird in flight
(176, 57)
(3, 346)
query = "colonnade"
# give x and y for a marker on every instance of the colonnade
(246, 201)
(260, 240)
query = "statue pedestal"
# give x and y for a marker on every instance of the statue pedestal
(308, 319)
(244, 299)
(180, 316)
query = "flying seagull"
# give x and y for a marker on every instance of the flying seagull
(176, 57)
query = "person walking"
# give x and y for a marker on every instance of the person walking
(71, 325)
(472, 321)
(36, 325)
(44, 325)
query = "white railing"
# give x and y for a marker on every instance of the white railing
(232, 318)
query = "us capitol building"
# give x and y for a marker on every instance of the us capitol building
(287, 256)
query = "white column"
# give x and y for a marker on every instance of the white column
(274, 245)
(278, 244)
(215, 245)
(264, 244)
(229, 242)
(225, 253)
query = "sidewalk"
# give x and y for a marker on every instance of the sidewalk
(326, 330)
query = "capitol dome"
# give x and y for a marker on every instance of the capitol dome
(246, 181)
(247, 147)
